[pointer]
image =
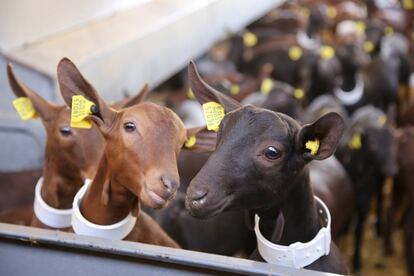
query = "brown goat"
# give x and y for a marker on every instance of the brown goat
(138, 165)
(71, 154)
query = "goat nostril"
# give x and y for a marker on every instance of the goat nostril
(199, 196)
(169, 184)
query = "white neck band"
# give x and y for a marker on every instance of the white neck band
(353, 96)
(305, 41)
(298, 254)
(82, 226)
(52, 217)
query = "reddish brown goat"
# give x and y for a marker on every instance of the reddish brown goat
(71, 154)
(139, 162)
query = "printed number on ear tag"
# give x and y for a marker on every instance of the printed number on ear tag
(213, 114)
(81, 108)
(24, 108)
(190, 142)
(266, 86)
(313, 146)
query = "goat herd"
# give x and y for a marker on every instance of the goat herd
(312, 80)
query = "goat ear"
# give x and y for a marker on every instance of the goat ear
(319, 139)
(199, 139)
(72, 83)
(45, 109)
(132, 100)
(205, 93)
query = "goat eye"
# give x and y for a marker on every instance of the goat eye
(65, 131)
(272, 153)
(129, 126)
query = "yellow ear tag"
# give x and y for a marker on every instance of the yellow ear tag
(24, 108)
(213, 114)
(249, 39)
(313, 146)
(190, 142)
(190, 94)
(382, 120)
(388, 30)
(355, 142)
(234, 89)
(81, 108)
(266, 86)
(295, 53)
(360, 26)
(331, 12)
(368, 46)
(299, 93)
(327, 52)
(408, 4)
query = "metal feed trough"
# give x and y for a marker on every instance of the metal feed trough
(33, 251)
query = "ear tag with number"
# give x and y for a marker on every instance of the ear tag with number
(190, 142)
(24, 108)
(266, 86)
(249, 39)
(213, 114)
(313, 146)
(355, 142)
(295, 53)
(81, 108)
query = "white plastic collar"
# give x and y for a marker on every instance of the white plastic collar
(353, 96)
(52, 217)
(298, 254)
(82, 226)
(305, 41)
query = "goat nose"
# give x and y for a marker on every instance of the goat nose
(170, 184)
